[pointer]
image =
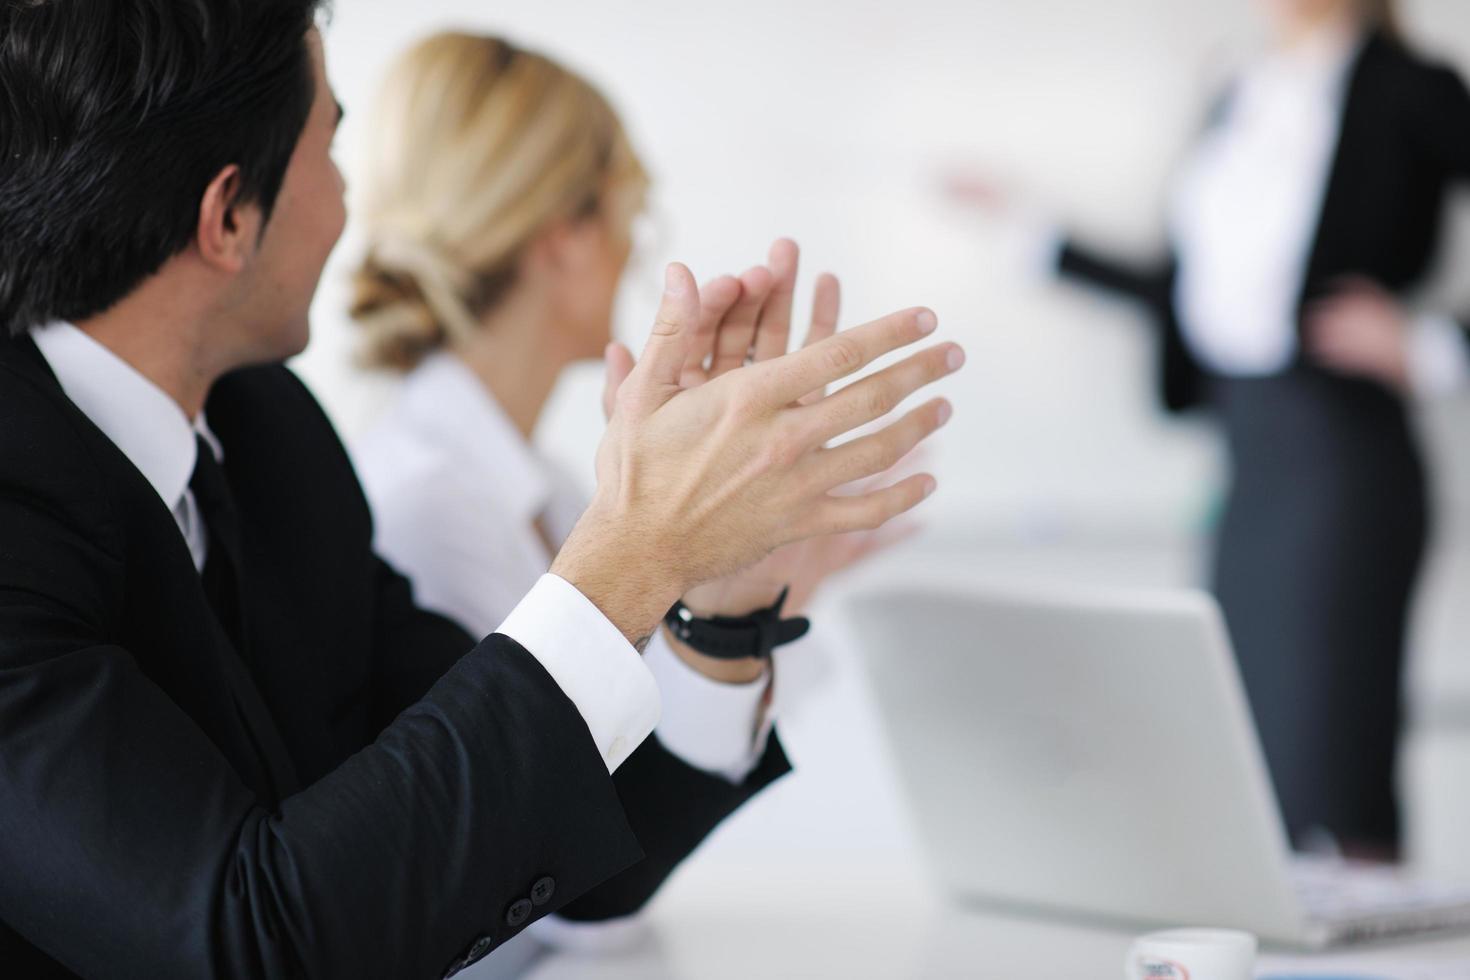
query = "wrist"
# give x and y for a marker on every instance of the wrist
(611, 564)
(734, 596)
(744, 671)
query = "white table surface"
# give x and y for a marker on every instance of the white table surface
(823, 876)
(815, 920)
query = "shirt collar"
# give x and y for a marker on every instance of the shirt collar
(141, 420)
(449, 403)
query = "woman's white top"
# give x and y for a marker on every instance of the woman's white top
(1247, 203)
(1245, 211)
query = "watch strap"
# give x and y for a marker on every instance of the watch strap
(737, 637)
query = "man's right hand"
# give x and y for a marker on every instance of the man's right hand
(693, 484)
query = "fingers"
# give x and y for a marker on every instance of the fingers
(876, 396)
(1361, 311)
(849, 550)
(1326, 323)
(1348, 344)
(873, 454)
(1334, 308)
(737, 332)
(619, 363)
(1354, 302)
(773, 330)
(1364, 336)
(1334, 341)
(890, 535)
(915, 462)
(791, 378)
(659, 368)
(832, 554)
(1325, 330)
(826, 306)
(870, 511)
(715, 301)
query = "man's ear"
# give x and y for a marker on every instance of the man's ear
(228, 230)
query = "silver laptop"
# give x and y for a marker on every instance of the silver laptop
(1092, 755)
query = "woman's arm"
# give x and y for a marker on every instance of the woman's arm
(1149, 283)
(1360, 328)
(1438, 117)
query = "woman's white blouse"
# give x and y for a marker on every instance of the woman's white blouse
(1247, 203)
(1244, 215)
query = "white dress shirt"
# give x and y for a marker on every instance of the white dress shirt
(147, 425)
(457, 491)
(600, 672)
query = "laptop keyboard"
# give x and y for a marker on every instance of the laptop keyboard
(1339, 891)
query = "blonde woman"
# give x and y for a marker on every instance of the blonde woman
(499, 209)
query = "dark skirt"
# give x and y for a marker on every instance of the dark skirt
(1317, 556)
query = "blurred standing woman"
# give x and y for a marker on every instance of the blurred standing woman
(1310, 203)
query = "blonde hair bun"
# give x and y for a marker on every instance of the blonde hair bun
(477, 147)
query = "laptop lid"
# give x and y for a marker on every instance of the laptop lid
(1081, 752)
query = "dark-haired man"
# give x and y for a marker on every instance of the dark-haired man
(230, 744)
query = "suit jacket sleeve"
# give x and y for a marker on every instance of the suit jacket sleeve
(1142, 282)
(1151, 285)
(1439, 120)
(129, 846)
(671, 806)
(1439, 124)
(414, 647)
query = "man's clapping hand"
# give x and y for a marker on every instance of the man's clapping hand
(697, 482)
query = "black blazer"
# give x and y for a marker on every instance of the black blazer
(362, 791)
(1405, 139)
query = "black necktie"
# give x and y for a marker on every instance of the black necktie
(224, 585)
(222, 577)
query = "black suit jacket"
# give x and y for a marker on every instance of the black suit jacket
(362, 791)
(1405, 139)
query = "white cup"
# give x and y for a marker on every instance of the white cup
(1193, 954)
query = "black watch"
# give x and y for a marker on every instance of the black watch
(736, 637)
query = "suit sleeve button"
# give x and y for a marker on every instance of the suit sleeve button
(518, 913)
(542, 891)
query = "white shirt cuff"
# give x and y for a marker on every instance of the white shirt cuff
(719, 728)
(591, 661)
(1439, 362)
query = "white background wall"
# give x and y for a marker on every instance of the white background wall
(828, 120)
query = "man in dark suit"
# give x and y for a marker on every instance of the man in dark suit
(230, 744)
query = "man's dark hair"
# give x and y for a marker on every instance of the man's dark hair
(115, 115)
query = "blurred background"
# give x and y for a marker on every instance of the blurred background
(832, 122)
